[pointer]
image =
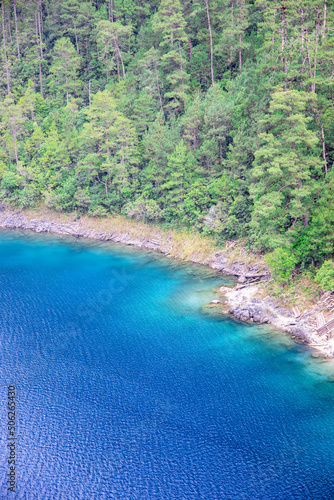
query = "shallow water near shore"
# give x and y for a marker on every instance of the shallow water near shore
(128, 389)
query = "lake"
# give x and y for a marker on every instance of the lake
(126, 388)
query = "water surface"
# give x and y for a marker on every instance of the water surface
(127, 389)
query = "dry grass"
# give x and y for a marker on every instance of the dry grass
(186, 245)
(302, 291)
(191, 246)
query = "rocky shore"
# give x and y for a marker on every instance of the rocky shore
(244, 301)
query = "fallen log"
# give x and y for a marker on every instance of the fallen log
(256, 275)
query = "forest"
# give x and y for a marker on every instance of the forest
(215, 115)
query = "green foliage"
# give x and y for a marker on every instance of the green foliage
(214, 115)
(64, 69)
(143, 209)
(325, 275)
(281, 263)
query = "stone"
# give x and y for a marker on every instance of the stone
(242, 279)
(298, 332)
(215, 301)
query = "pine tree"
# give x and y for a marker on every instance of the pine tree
(113, 41)
(234, 21)
(98, 133)
(169, 21)
(12, 119)
(64, 69)
(284, 168)
(125, 155)
(150, 76)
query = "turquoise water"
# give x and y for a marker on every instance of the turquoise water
(127, 389)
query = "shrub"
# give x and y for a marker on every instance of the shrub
(281, 263)
(143, 209)
(325, 275)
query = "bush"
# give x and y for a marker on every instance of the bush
(281, 263)
(96, 210)
(325, 276)
(143, 209)
(11, 180)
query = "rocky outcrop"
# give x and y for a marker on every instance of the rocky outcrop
(244, 271)
(252, 313)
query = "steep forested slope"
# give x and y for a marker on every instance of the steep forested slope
(216, 114)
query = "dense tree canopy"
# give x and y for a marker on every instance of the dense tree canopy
(213, 114)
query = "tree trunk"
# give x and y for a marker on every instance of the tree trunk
(9, 27)
(40, 15)
(190, 49)
(240, 61)
(107, 146)
(123, 164)
(158, 87)
(283, 42)
(305, 221)
(40, 33)
(111, 11)
(117, 64)
(316, 42)
(4, 46)
(309, 63)
(210, 36)
(120, 56)
(15, 147)
(293, 142)
(89, 94)
(87, 55)
(323, 147)
(123, 69)
(76, 39)
(181, 67)
(324, 20)
(39, 57)
(17, 34)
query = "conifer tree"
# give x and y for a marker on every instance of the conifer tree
(113, 41)
(170, 23)
(64, 69)
(284, 168)
(12, 119)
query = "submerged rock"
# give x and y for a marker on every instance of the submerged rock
(298, 333)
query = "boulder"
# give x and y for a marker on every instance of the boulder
(299, 333)
(242, 279)
(249, 312)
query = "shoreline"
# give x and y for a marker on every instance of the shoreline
(244, 302)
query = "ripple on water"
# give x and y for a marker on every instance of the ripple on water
(127, 390)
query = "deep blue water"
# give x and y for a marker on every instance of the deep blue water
(126, 389)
